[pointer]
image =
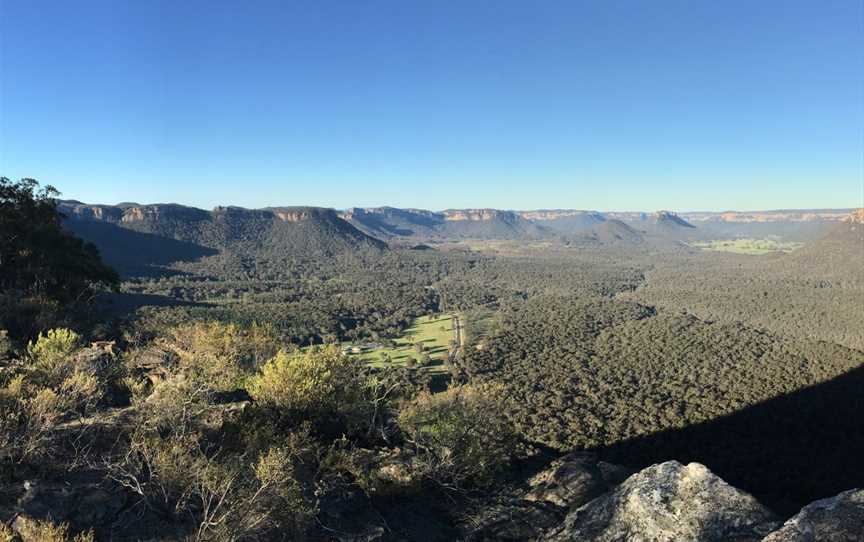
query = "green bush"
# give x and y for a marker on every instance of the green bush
(50, 355)
(460, 435)
(317, 381)
(219, 354)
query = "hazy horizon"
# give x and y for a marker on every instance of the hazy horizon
(699, 106)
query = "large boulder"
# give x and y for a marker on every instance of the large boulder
(836, 519)
(669, 502)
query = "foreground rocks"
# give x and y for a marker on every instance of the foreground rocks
(566, 483)
(837, 519)
(669, 502)
(576, 498)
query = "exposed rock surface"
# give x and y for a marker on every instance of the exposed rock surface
(568, 482)
(669, 502)
(574, 479)
(837, 519)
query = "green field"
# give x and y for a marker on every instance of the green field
(748, 246)
(433, 332)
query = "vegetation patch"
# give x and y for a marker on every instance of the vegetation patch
(426, 344)
(748, 246)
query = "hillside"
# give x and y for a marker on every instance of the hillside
(134, 236)
(840, 249)
(609, 233)
(779, 293)
(564, 220)
(489, 224)
(452, 224)
(390, 222)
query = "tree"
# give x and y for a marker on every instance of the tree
(41, 262)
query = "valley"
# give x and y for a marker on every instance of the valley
(388, 340)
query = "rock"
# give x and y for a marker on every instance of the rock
(511, 521)
(669, 502)
(346, 514)
(836, 519)
(575, 479)
(96, 361)
(81, 501)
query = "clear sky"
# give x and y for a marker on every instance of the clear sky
(601, 104)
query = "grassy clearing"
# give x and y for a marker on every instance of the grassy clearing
(748, 246)
(433, 332)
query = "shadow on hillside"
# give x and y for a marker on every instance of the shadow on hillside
(134, 253)
(787, 451)
(124, 303)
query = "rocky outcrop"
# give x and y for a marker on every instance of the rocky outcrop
(476, 214)
(837, 519)
(668, 218)
(856, 217)
(669, 502)
(565, 484)
(299, 214)
(574, 479)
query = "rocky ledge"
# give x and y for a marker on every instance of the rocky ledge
(580, 499)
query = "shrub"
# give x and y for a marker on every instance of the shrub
(221, 354)
(28, 418)
(460, 435)
(314, 382)
(228, 496)
(33, 530)
(50, 356)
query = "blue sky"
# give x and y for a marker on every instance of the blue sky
(598, 104)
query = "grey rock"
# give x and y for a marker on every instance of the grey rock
(574, 479)
(836, 519)
(669, 502)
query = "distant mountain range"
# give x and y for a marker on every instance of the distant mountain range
(165, 231)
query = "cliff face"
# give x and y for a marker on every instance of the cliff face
(130, 214)
(559, 214)
(477, 214)
(299, 214)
